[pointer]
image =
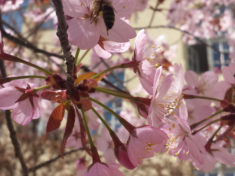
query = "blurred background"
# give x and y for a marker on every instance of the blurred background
(29, 32)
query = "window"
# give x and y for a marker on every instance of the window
(212, 54)
(15, 18)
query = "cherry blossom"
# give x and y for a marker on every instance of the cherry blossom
(86, 33)
(24, 102)
(144, 142)
(166, 96)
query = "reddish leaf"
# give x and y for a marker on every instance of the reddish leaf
(55, 118)
(56, 96)
(68, 128)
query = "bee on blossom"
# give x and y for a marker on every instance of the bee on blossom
(105, 8)
(93, 22)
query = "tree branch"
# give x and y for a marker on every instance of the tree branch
(46, 163)
(24, 42)
(63, 36)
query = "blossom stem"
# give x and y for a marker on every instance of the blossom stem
(83, 56)
(116, 140)
(130, 128)
(107, 70)
(8, 79)
(187, 96)
(204, 120)
(208, 144)
(37, 67)
(114, 93)
(76, 56)
(214, 121)
(95, 154)
(16, 59)
(102, 120)
(41, 88)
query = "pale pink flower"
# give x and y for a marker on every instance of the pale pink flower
(21, 98)
(144, 69)
(86, 33)
(182, 143)
(102, 169)
(202, 85)
(166, 96)
(144, 142)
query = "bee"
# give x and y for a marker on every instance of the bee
(104, 8)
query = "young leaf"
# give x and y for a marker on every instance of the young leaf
(55, 118)
(68, 128)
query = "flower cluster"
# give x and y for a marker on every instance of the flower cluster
(189, 116)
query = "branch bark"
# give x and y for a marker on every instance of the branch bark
(63, 37)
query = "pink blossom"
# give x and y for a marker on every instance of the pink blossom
(166, 96)
(182, 143)
(144, 69)
(145, 142)
(86, 33)
(202, 85)
(20, 97)
(102, 169)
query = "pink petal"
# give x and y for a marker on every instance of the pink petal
(8, 97)
(83, 33)
(140, 43)
(191, 78)
(101, 52)
(121, 32)
(74, 8)
(116, 47)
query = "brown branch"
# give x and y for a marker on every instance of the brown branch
(24, 42)
(46, 163)
(63, 36)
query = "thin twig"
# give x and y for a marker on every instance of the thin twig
(27, 44)
(46, 163)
